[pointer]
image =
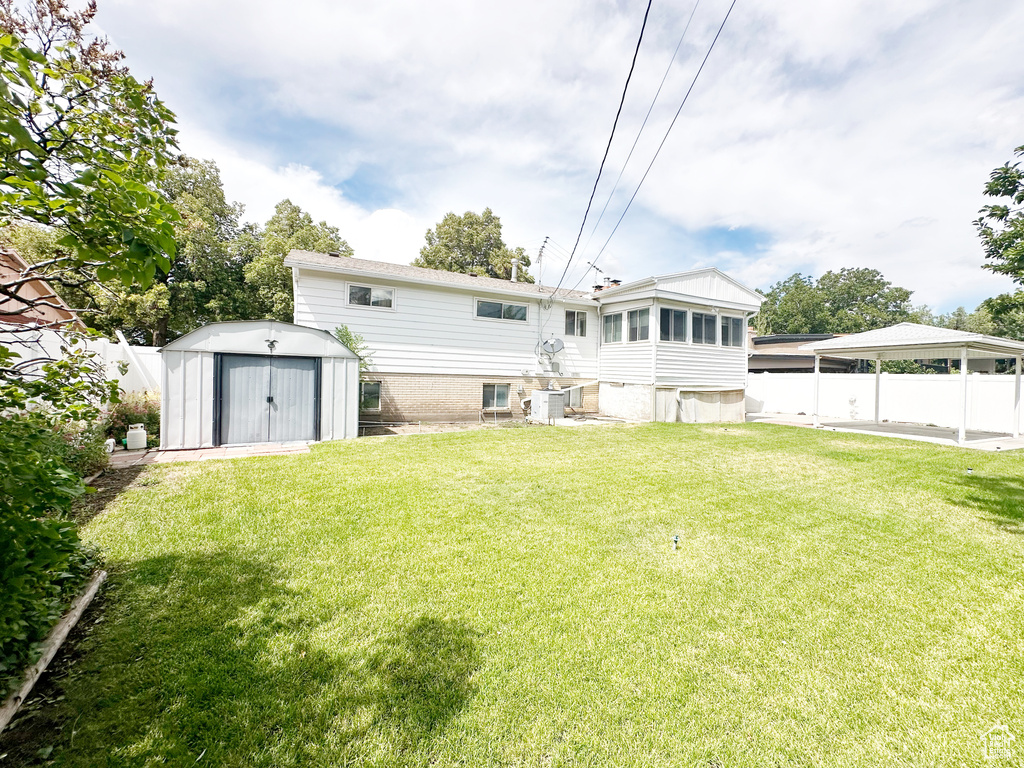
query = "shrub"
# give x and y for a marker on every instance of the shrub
(82, 446)
(134, 408)
(42, 560)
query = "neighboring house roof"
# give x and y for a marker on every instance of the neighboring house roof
(384, 270)
(780, 352)
(41, 306)
(699, 286)
(909, 341)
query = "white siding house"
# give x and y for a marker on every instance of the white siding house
(438, 351)
(681, 354)
(451, 346)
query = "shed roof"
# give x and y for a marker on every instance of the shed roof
(386, 270)
(261, 337)
(908, 341)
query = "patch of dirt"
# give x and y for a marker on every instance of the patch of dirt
(368, 430)
(43, 722)
(112, 482)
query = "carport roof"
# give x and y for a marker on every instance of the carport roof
(909, 341)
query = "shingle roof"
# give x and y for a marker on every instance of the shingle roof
(348, 265)
(913, 337)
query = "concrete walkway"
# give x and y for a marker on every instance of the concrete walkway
(975, 439)
(154, 456)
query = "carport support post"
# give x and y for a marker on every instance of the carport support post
(878, 388)
(962, 434)
(1016, 396)
(817, 386)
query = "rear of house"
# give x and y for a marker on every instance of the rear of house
(448, 346)
(674, 347)
(455, 347)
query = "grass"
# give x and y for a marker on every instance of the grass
(513, 598)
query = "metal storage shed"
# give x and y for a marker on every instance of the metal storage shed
(258, 381)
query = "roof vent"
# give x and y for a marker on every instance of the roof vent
(335, 254)
(615, 282)
(607, 282)
(598, 288)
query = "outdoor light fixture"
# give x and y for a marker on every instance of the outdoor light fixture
(675, 542)
(271, 343)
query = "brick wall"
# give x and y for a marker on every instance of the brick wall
(409, 397)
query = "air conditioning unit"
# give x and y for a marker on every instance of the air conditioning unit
(547, 404)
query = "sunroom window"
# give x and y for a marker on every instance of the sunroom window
(673, 324)
(732, 331)
(703, 328)
(639, 324)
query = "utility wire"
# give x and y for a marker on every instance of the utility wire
(664, 139)
(642, 125)
(607, 148)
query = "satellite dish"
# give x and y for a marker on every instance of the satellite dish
(551, 346)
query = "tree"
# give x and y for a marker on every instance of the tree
(206, 279)
(1007, 313)
(847, 301)
(1001, 225)
(862, 299)
(472, 243)
(82, 144)
(793, 305)
(269, 281)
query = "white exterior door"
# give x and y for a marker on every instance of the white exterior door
(267, 399)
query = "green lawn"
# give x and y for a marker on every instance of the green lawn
(511, 597)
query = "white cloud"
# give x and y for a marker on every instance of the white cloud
(847, 133)
(384, 235)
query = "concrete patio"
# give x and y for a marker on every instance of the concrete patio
(974, 439)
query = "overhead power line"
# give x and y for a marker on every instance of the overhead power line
(642, 125)
(622, 101)
(664, 139)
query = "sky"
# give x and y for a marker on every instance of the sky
(819, 135)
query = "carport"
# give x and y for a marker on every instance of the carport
(911, 341)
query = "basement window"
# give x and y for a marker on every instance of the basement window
(495, 396)
(498, 310)
(575, 323)
(368, 296)
(369, 396)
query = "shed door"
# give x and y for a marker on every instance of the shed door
(267, 399)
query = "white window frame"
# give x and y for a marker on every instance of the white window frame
(371, 288)
(477, 316)
(743, 329)
(578, 315)
(496, 407)
(604, 319)
(380, 395)
(686, 324)
(717, 321)
(637, 311)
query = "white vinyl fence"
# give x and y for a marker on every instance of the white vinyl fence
(918, 398)
(141, 364)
